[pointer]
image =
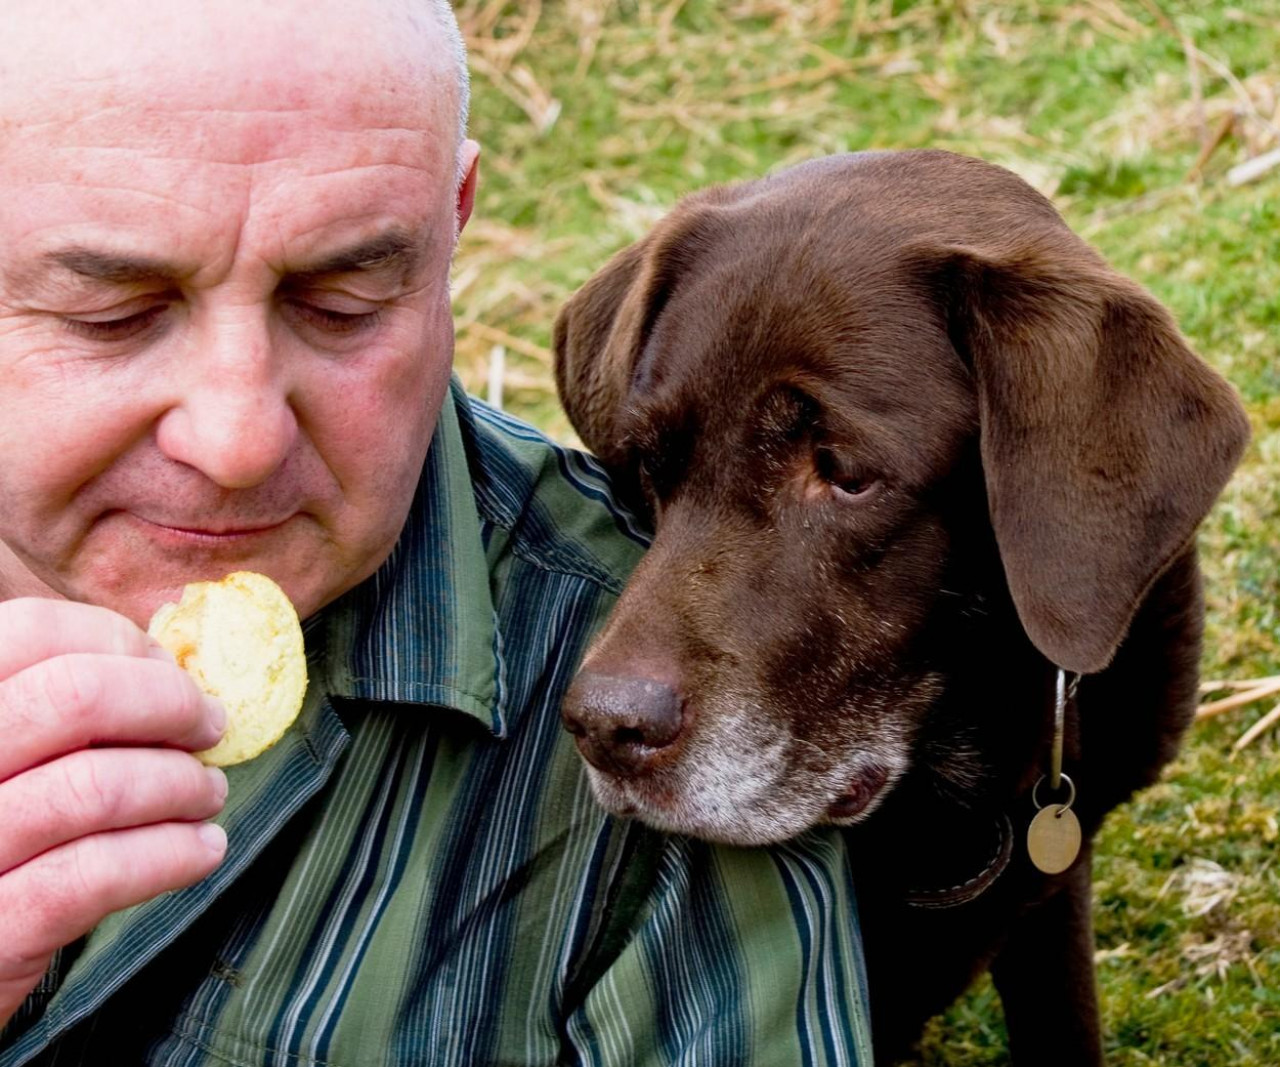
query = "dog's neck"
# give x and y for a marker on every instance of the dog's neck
(986, 741)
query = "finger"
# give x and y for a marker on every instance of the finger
(69, 702)
(65, 892)
(23, 977)
(93, 790)
(34, 629)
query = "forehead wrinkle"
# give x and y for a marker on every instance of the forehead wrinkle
(304, 138)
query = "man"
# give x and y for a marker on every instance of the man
(225, 344)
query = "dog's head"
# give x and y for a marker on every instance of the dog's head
(834, 386)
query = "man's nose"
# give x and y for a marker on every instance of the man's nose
(234, 419)
(622, 724)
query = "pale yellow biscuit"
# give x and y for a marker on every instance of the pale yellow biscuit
(241, 641)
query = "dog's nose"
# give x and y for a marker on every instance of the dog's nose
(622, 724)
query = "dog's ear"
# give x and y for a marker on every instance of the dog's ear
(601, 333)
(593, 357)
(1104, 438)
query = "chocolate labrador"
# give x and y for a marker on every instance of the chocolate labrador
(910, 447)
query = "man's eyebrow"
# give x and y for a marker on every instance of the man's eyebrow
(112, 268)
(394, 251)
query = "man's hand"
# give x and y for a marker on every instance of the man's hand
(100, 801)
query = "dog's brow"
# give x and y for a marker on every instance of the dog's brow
(791, 411)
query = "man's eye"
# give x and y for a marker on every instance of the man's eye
(338, 323)
(123, 328)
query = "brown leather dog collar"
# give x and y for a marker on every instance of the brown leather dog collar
(971, 888)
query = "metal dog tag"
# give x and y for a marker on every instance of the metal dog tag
(1053, 838)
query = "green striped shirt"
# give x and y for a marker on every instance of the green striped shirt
(417, 873)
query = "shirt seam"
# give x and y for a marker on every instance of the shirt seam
(433, 691)
(193, 1030)
(550, 558)
(408, 685)
(602, 578)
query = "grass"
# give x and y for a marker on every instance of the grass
(596, 115)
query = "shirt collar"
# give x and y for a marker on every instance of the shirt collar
(422, 629)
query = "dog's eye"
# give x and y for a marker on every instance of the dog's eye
(845, 480)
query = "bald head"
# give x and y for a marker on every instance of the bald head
(231, 53)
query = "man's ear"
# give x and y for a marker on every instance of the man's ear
(469, 169)
(601, 333)
(1105, 440)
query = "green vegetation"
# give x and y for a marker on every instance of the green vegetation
(596, 115)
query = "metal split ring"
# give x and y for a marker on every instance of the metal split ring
(1071, 797)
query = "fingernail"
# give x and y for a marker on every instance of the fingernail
(219, 782)
(215, 712)
(155, 650)
(214, 836)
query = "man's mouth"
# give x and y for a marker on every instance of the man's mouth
(209, 532)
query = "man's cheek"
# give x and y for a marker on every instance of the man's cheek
(378, 425)
(64, 425)
(411, 372)
(33, 348)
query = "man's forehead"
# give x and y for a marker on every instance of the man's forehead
(199, 143)
(383, 61)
